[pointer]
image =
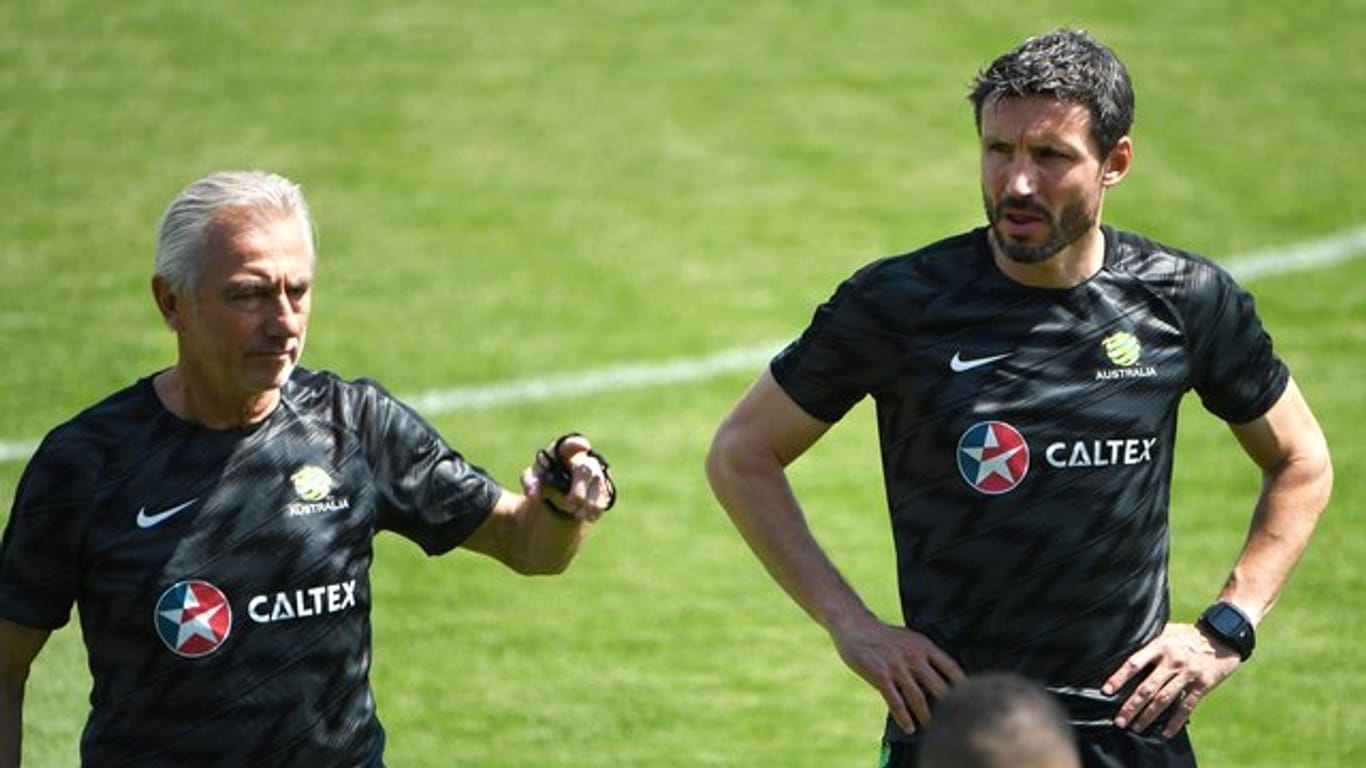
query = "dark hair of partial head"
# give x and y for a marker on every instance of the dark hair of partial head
(995, 720)
(1068, 65)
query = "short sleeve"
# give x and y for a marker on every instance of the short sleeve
(845, 354)
(429, 493)
(1236, 371)
(40, 551)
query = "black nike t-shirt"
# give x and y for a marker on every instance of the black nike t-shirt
(1027, 436)
(222, 576)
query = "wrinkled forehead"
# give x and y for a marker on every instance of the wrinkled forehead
(230, 222)
(246, 222)
(258, 240)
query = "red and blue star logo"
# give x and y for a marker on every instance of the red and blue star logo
(193, 618)
(993, 457)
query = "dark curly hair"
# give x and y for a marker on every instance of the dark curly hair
(1068, 65)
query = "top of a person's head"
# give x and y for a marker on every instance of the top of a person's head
(998, 720)
(1068, 65)
(189, 220)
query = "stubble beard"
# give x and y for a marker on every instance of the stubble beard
(1074, 222)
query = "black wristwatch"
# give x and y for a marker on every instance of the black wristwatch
(1230, 626)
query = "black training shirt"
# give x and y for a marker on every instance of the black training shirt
(1027, 436)
(222, 576)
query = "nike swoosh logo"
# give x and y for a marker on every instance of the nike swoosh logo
(959, 365)
(147, 521)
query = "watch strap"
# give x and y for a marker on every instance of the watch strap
(1227, 623)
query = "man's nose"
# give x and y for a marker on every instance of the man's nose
(286, 317)
(1020, 179)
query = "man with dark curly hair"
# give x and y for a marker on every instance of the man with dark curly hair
(1027, 376)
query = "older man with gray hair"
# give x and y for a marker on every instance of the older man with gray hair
(213, 522)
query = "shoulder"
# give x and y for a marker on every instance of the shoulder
(361, 405)
(311, 388)
(74, 454)
(892, 291)
(944, 260)
(927, 272)
(1198, 289)
(105, 425)
(1162, 266)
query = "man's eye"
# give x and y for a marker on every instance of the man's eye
(245, 293)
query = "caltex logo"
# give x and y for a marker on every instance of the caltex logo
(193, 618)
(993, 457)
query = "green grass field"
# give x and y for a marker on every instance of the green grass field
(513, 190)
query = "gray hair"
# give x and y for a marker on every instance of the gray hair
(188, 221)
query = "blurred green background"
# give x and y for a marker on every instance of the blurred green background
(508, 191)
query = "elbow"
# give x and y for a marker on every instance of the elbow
(1307, 473)
(541, 563)
(542, 568)
(1323, 470)
(713, 463)
(1316, 466)
(722, 459)
(740, 473)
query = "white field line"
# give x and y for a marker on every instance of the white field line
(1313, 254)
(611, 379)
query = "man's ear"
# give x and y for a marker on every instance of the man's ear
(170, 303)
(1118, 163)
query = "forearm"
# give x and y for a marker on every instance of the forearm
(906, 668)
(1183, 664)
(746, 467)
(532, 539)
(755, 493)
(539, 531)
(11, 726)
(19, 645)
(1293, 497)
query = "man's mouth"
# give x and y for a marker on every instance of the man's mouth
(1021, 223)
(1017, 219)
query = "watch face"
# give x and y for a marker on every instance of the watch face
(1226, 621)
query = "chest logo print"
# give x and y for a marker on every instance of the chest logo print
(1122, 348)
(193, 618)
(993, 457)
(313, 487)
(147, 521)
(311, 483)
(959, 365)
(1124, 352)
